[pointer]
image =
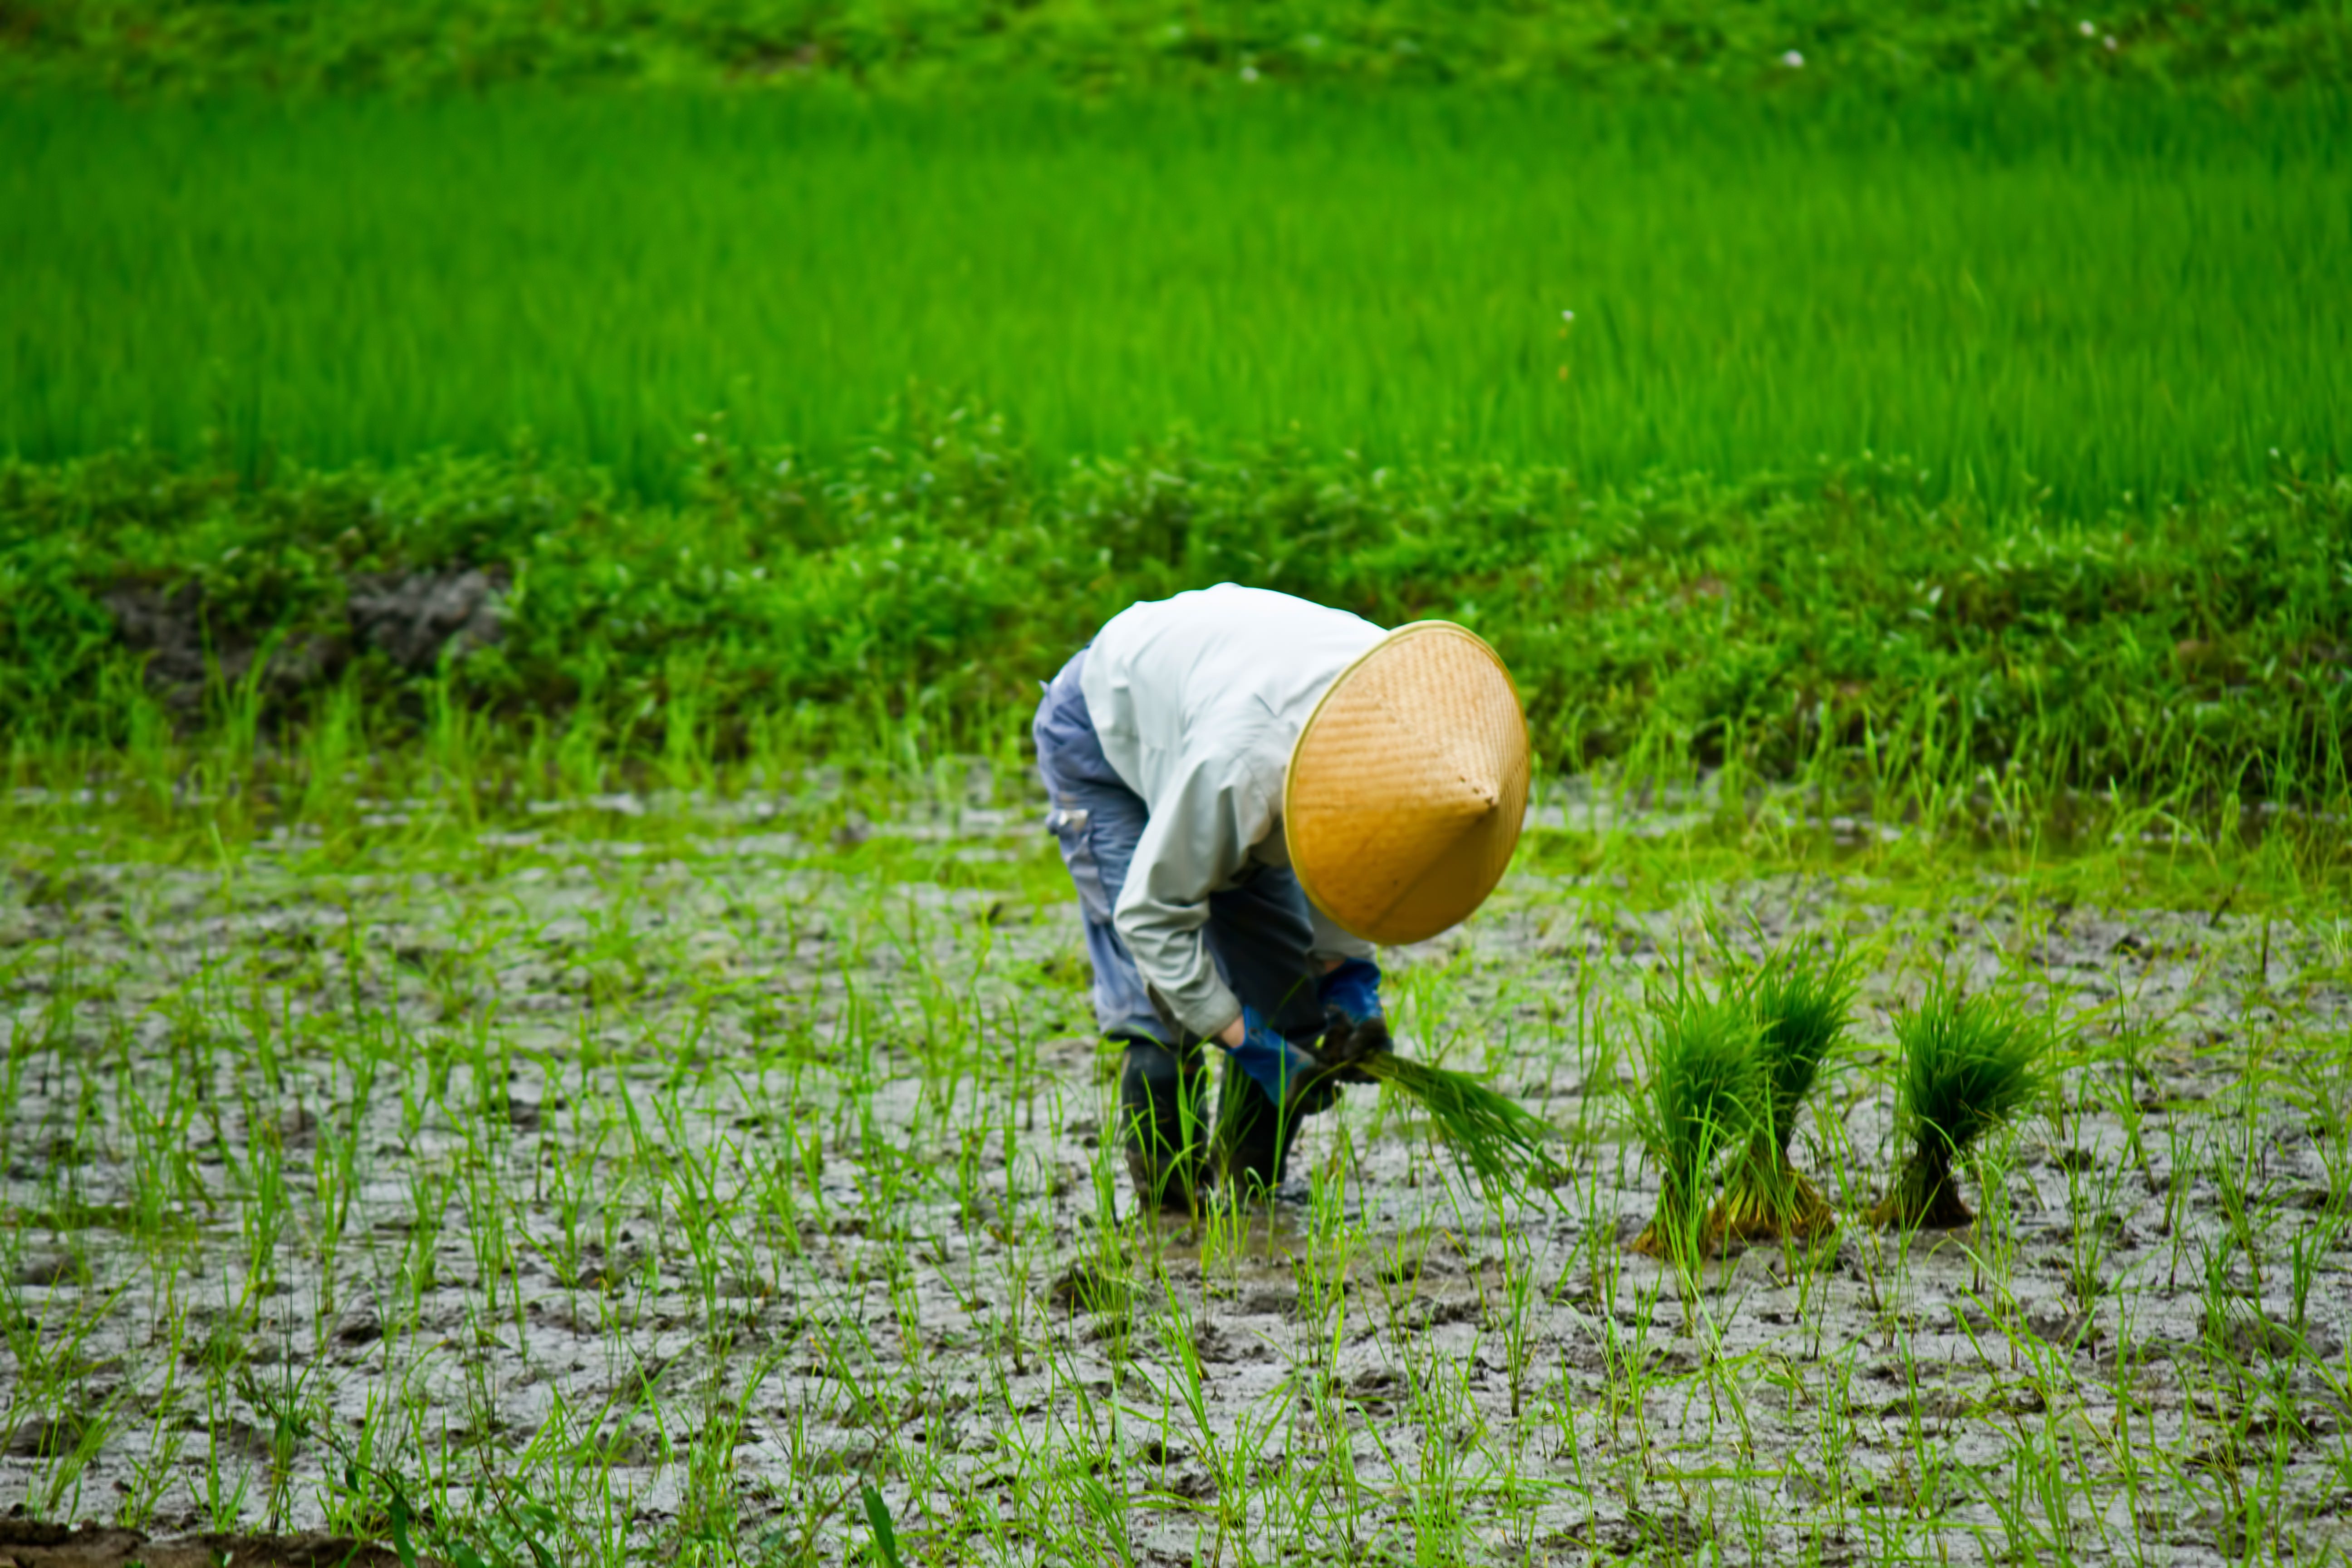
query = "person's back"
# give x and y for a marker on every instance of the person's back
(1189, 679)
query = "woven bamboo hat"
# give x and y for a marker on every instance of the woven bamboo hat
(1408, 784)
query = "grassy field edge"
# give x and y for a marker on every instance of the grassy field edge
(1833, 626)
(2234, 49)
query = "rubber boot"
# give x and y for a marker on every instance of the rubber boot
(1253, 1137)
(1161, 1126)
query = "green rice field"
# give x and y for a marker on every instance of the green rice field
(2101, 296)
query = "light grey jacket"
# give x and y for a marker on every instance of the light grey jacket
(1198, 700)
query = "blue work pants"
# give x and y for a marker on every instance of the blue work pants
(1259, 937)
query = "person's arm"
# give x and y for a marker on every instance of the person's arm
(1197, 836)
(1333, 942)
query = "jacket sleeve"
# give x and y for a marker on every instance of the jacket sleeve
(1333, 940)
(1197, 839)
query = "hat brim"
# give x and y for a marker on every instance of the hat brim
(1408, 784)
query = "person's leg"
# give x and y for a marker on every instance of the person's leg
(1098, 821)
(1263, 939)
(1163, 1125)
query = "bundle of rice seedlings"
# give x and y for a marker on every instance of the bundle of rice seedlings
(1801, 1010)
(1967, 1063)
(1498, 1140)
(1702, 1099)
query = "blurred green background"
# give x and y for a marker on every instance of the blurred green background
(2106, 296)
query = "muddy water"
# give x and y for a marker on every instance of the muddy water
(681, 1181)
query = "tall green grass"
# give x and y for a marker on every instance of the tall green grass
(2095, 294)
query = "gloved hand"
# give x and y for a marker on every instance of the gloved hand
(1354, 1027)
(1293, 1076)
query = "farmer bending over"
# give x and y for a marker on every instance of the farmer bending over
(1250, 791)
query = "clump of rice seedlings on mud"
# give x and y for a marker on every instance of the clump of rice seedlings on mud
(1967, 1063)
(1702, 1099)
(1801, 1010)
(1498, 1140)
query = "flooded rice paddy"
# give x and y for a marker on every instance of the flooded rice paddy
(620, 1183)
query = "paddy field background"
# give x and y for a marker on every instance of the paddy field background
(2095, 297)
(1757, 423)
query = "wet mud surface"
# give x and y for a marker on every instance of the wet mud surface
(27, 1545)
(607, 1178)
(412, 618)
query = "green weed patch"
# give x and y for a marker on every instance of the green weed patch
(1935, 656)
(2232, 45)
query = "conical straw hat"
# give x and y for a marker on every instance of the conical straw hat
(1408, 784)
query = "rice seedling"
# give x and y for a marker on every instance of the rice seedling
(1501, 1143)
(1801, 1006)
(878, 1519)
(1703, 1098)
(1967, 1063)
